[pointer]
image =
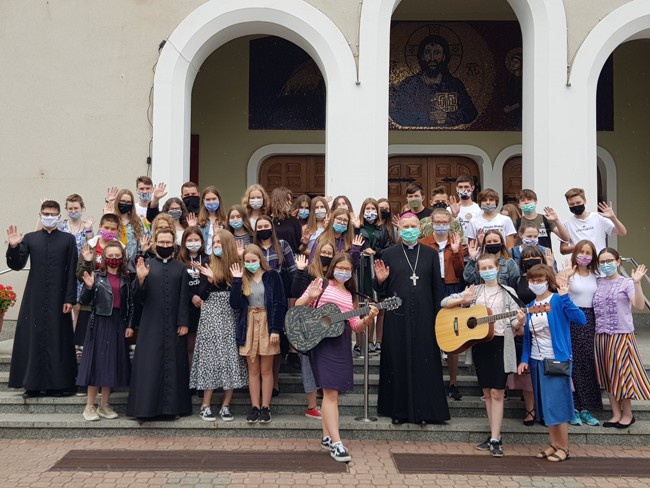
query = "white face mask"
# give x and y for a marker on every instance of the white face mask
(193, 246)
(256, 203)
(538, 288)
(49, 221)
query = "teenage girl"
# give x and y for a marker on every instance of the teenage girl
(239, 225)
(340, 231)
(211, 215)
(302, 209)
(318, 216)
(287, 227)
(256, 202)
(178, 211)
(132, 227)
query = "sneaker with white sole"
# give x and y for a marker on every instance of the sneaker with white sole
(576, 418)
(107, 412)
(340, 453)
(206, 414)
(326, 443)
(589, 419)
(90, 413)
(313, 413)
(226, 416)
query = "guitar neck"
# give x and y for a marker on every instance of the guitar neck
(499, 316)
(340, 317)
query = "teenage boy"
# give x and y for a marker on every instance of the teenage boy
(440, 200)
(464, 208)
(594, 227)
(415, 201)
(547, 223)
(144, 190)
(447, 243)
(490, 219)
(189, 194)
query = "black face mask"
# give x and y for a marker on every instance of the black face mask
(442, 205)
(577, 209)
(264, 234)
(325, 261)
(125, 208)
(192, 203)
(529, 263)
(385, 214)
(165, 252)
(493, 248)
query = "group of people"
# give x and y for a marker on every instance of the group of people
(202, 293)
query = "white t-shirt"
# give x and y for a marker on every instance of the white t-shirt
(441, 256)
(594, 228)
(541, 346)
(499, 222)
(140, 210)
(466, 215)
(582, 290)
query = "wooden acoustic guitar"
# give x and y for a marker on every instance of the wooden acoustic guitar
(459, 328)
(305, 327)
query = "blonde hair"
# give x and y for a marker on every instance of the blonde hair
(264, 209)
(247, 277)
(316, 267)
(162, 216)
(220, 266)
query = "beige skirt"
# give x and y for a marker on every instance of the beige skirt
(258, 342)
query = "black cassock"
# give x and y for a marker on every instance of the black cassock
(410, 373)
(160, 374)
(43, 356)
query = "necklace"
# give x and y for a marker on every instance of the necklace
(494, 296)
(414, 277)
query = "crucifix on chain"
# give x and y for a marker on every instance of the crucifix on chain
(414, 278)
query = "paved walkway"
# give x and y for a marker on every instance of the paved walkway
(26, 463)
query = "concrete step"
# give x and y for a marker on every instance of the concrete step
(40, 426)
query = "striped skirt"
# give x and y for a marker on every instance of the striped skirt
(619, 367)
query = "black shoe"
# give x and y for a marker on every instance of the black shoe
(60, 393)
(495, 449)
(454, 394)
(265, 415)
(624, 426)
(531, 422)
(398, 421)
(31, 394)
(254, 416)
(608, 425)
(275, 392)
(485, 446)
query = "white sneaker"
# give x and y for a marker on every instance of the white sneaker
(340, 453)
(226, 416)
(90, 413)
(107, 412)
(207, 415)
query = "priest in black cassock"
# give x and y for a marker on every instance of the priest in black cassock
(43, 357)
(160, 375)
(410, 373)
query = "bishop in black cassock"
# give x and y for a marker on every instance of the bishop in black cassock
(411, 388)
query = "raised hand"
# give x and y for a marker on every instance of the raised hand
(88, 223)
(240, 248)
(111, 194)
(236, 270)
(562, 284)
(550, 259)
(395, 221)
(191, 220)
(355, 221)
(454, 205)
(109, 208)
(639, 273)
(606, 210)
(13, 236)
(567, 270)
(89, 280)
(480, 235)
(87, 253)
(204, 270)
(141, 270)
(473, 250)
(159, 191)
(145, 243)
(550, 214)
(45, 199)
(358, 240)
(315, 288)
(301, 262)
(217, 225)
(304, 239)
(469, 294)
(329, 198)
(454, 241)
(381, 271)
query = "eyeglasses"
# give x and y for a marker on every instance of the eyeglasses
(441, 223)
(339, 220)
(609, 261)
(338, 268)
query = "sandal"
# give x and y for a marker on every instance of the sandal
(531, 422)
(545, 454)
(557, 457)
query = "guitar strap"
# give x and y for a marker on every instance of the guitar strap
(514, 297)
(325, 285)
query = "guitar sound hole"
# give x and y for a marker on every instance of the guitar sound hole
(471, 322)
(325, 322)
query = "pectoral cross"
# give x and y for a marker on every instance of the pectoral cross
(414, 278)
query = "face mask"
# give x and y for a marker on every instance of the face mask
(410, 235)
(370, 216)
(74, 215)
(415, 203)
(303, 213)
(49, 221)
(107, 235)
(320, 214)
(529, 263)
(256, 203)
(385, 214)
(493, 248)
(538, 288)
(607, 269)
(211, 206)
(175, 214)
(236, 224)
(577, 209)
(488, 207)
(193, 246)
(252, 267)
(441, 230)
(192, 203)
(217, 251)
(125, 208)
(342, 276)
(489, 275)
(464, 194)
(529, 242)
(325, 261)
(165, 252)
(583, 260)
(145, 197)
(113, 262)
(264, 234)
(339, 228)
(441, 205)
(528, 208)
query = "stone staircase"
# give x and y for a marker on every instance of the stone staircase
(61, 417)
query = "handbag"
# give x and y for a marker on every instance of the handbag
(553, 367)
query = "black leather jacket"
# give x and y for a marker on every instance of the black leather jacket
(101, 296)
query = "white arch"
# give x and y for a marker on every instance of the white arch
(219, 21)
